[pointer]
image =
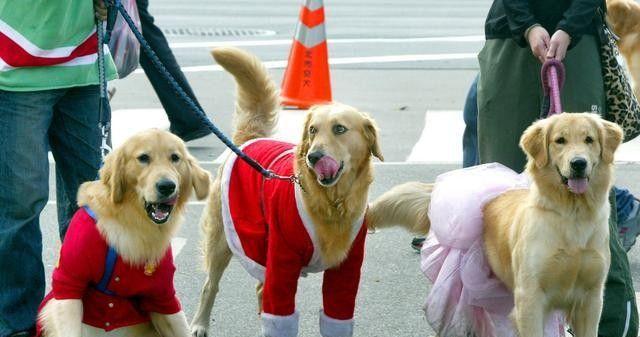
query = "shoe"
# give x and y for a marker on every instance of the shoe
(416, 243)
(629, 229)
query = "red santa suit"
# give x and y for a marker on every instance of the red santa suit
(269, 230)
(134, 293)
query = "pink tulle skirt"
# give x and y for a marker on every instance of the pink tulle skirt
(466, 298)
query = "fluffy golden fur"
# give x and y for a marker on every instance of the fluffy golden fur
(332, 206)
(547, 244)
(118, 198)
(624, 17)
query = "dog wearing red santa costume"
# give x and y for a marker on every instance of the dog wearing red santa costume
(280, 229)
(115, 272)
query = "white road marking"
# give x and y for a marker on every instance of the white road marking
(441, 141)
(441, 138)
(177, 244)
(348, 60)
(280, 42)
(126, 122)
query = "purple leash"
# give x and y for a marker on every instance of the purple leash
(552, 81)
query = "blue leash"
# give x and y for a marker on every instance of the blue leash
(104, 109)
(268, 174)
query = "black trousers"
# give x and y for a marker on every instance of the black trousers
(184, 122)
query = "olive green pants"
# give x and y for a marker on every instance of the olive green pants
(510, 98)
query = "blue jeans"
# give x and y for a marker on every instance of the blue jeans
(624, 198)
(65, 121)
(470, 135)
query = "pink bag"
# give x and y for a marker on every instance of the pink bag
(124, 47)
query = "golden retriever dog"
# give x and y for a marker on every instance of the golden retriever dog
(624, 17)
(549, 244)
(138, 204)
(314, 223)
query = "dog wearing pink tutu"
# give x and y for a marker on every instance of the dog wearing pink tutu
(517, 254)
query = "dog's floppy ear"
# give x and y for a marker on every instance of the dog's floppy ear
(112, 175)
(303, 147)
(534, 143)
(200, 178)
(610, 138)
(371, 134)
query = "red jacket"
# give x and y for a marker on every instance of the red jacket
(81, 266)
(268, 228)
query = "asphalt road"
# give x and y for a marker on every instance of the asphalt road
(397, 95)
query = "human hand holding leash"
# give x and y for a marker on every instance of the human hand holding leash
(538, 38)
(100, 9)
(558, 45)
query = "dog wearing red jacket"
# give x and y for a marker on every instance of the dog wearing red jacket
(115, 272)
(280, 229)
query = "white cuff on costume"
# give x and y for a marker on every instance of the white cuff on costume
(280, 326)
(331, 327)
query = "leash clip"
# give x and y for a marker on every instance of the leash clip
(105, 149)
(294, 179)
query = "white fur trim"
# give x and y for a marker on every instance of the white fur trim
(331, 327)
(280, 326)
(253, 268)
(315, 263)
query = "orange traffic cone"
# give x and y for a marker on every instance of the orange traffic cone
(306, 80)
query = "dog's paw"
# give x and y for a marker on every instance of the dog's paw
(198, 330)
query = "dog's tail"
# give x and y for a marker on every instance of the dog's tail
(257, 99)
(404, 205)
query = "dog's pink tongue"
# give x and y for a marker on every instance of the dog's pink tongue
(578, 185)
(326, 167)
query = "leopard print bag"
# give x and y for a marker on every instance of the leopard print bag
(622, 104)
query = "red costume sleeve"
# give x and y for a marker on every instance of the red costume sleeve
(281, 280)
(279, 317)
(340, 284)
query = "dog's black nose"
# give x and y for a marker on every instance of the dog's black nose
(165, 187)
(578, 164)
(313, 157)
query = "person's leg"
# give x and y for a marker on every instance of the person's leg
(183, 121)
(75, 143)
(619, 313)
(624, 203)
(470, 135)
(24, 174)
(628, 211)
(509, 99)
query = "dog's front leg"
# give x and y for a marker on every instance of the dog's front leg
(62, 318)
(174, 325)
(586, 315)
(529, 311)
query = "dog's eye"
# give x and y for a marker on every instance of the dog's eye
(313, 130)
(175, 158)
(588, 140)
(561, 140)
(144, 158)
(339, 129)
